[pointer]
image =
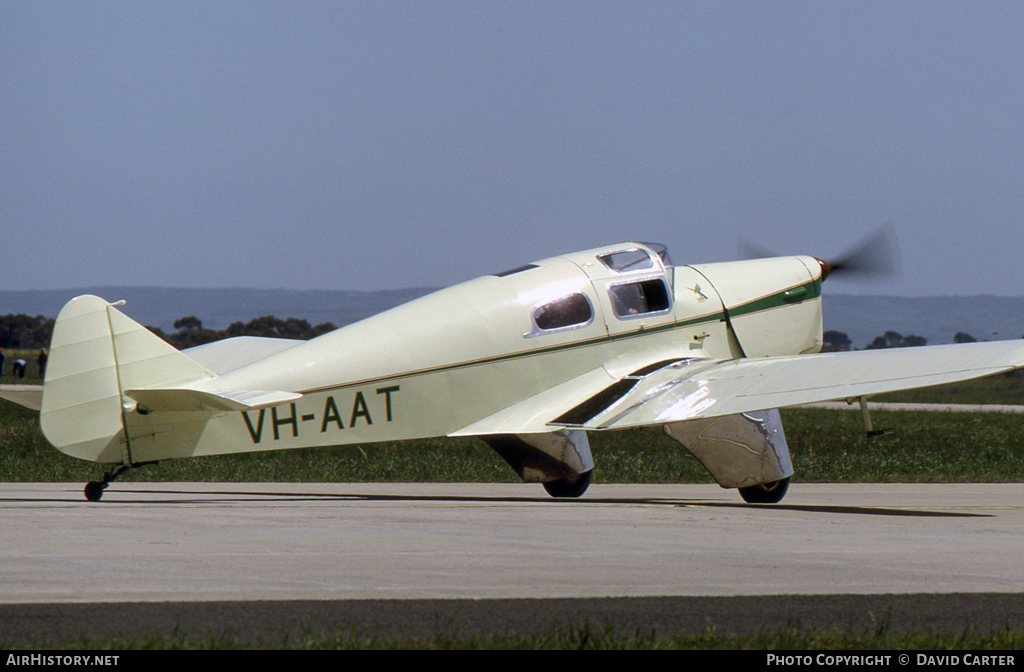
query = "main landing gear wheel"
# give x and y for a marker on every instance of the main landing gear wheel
(563, 487)
(765, 493)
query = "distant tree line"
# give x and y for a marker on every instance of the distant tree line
(836, 341)
(893, 339)
(191, 332)
(23, 332)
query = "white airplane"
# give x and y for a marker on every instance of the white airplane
(529, 360)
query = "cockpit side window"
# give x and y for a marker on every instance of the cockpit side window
(635, 299)
(628, 261)
(568, 312)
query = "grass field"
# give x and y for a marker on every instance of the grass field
(31, 371)
(1000, 389)
(583, 638)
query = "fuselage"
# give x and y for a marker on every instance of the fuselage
(441, 362)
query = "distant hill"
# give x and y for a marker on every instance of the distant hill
(862, 318)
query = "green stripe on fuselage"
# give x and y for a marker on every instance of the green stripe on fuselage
(812, 290)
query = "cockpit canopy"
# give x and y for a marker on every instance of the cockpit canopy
(627, 282)
(635, 259)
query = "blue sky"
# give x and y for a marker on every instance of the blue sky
(379, 145)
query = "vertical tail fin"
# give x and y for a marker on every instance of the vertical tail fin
(97, 352)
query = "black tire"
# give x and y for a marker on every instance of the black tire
(563, 487)
(94, 491)
(765, 493)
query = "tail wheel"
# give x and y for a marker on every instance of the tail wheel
(765, 493)
(94, 490)
(563, 487)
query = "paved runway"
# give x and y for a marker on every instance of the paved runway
(153, 546)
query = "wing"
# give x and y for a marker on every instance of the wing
(687, 389)
(709, 389)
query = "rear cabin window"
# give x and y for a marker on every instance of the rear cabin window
(628, 261)
(569, 311)
(639, 298)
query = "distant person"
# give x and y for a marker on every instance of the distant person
(42, 362)
(19, 367)
(3, 360)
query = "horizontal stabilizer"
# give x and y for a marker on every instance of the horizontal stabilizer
(183, 399)
(29, 396)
